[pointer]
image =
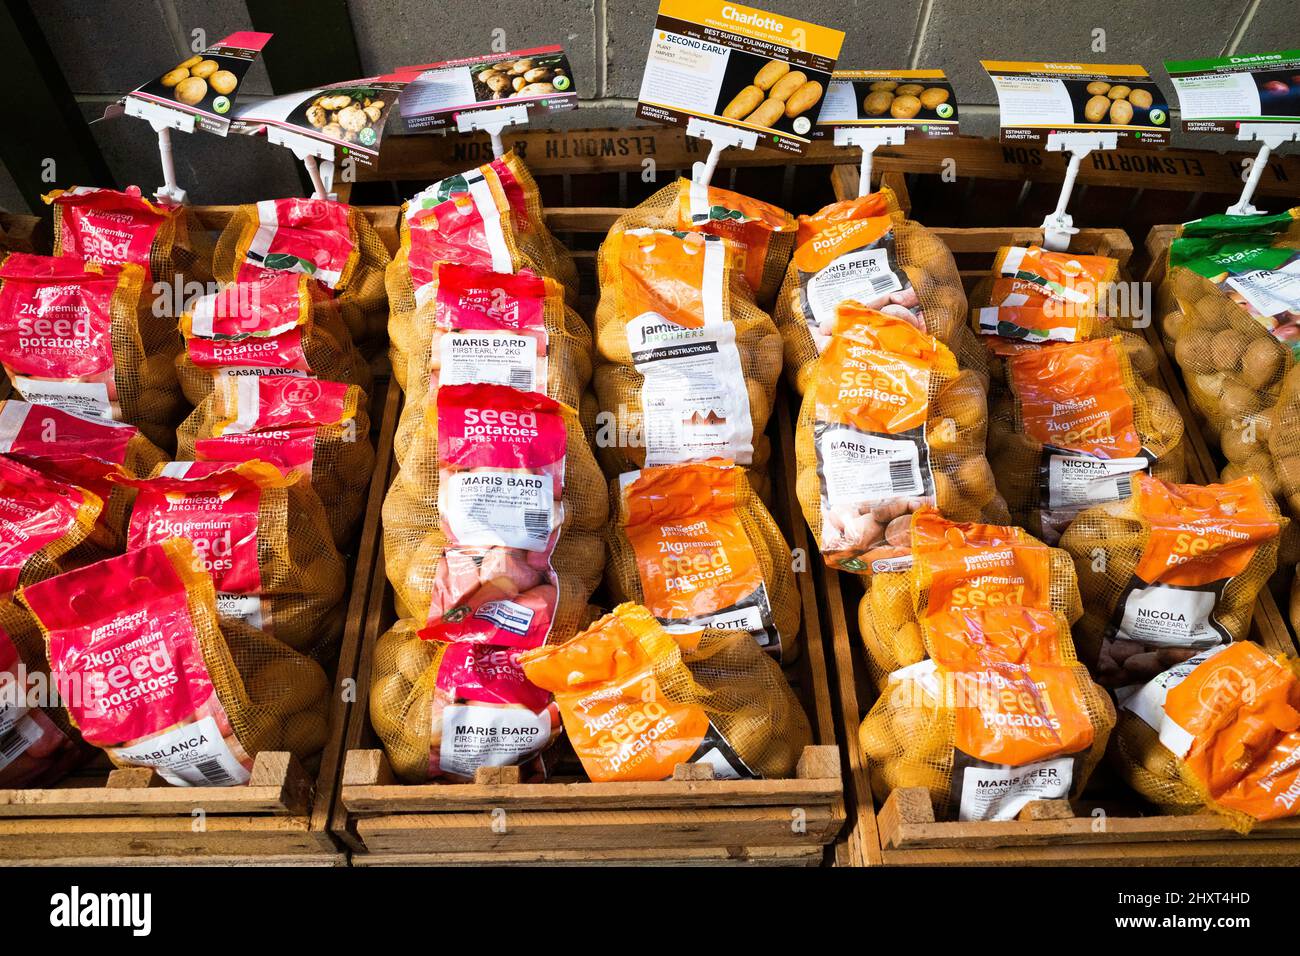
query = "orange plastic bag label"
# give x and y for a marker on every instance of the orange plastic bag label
(1073, 402)
(620, 721)
(1065, 276)
(957, 578)
(1235, 721)
(871, 404)
(696, 563)
(748, 223)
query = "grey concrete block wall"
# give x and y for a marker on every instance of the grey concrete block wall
(106, 47)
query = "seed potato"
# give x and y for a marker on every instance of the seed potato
(904, 107)
(1119, 92)
(744, 103)
(877, 103)
(1098, 88)
(803, 99)
(1141, 99)
(1121, 112)
(772, 71)
(934, 97)
(1096, 108)
(767, 113)
(786, 87)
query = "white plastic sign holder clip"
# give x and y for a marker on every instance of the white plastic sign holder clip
(163, 120)
(493, 122)
(1058, 227)
(1269, 136)
(719, 137)
(867, 138)
(316, 155)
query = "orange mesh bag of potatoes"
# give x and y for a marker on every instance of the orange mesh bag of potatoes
(1036, 296)
(320, 430)
(1074, 428)
(764, 234)
(1000, 714)
(865, 250)
(695, 545)
(83, 452)
(992, 573)
(277, 324)
(888, 425)
(332, 242)
(689, 361)
(148, 674)
(494, 485)
(515, 194)
(1220, 731)
(636, 703)
(38, 745)
(1168, 572)
(112, 228)
(443, 709)
(263, 538)
(1230, 303)
(70, 336)
(479, 326)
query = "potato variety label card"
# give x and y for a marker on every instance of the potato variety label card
(540, 79)
(1036, 99)
(921, 100)
(1216, 95)
(351, 114)
(207, 83)
(732, 64)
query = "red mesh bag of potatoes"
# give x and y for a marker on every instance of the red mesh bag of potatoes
(148, 674)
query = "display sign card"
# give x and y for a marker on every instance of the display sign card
(923, 101)
(1216, 95)
(727, 63)
(206, 84)
(540, 79)
(350, 115)
(1035, 99)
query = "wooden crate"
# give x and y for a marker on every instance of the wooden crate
(102, 815)
(1110, 825)
(687, 820)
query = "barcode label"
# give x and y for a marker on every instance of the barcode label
(902, 476)
(213, 772)
(1124, 487)
(537, 524)
(522, 379)
(883, 284)
(15, 743)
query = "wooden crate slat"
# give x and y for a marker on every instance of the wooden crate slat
(582, 151)
(532, 830)
(399, 798)
(802, 856)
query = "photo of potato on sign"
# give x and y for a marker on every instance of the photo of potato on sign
(773, 94)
